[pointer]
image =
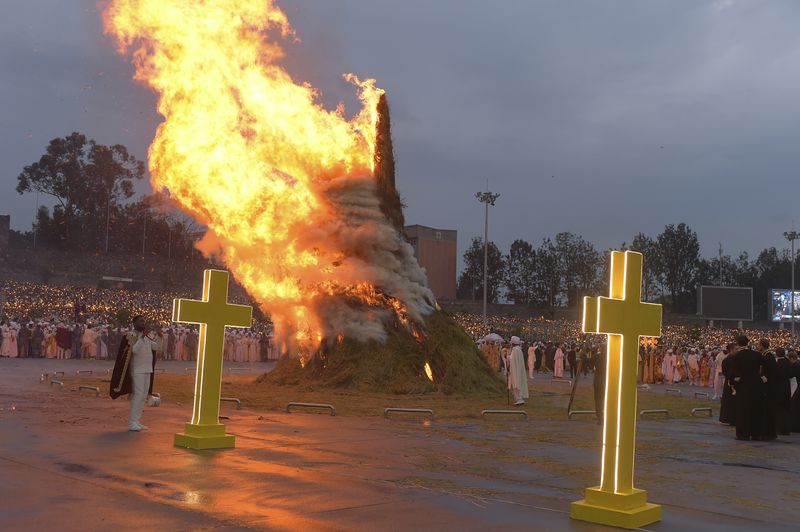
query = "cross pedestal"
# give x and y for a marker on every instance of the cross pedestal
(213, 313)
(625, 319)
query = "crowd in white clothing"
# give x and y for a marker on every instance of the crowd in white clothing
(59, 340)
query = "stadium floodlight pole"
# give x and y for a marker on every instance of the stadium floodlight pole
(488, 199)
(791, 236)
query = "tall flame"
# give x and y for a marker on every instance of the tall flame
(284, 186)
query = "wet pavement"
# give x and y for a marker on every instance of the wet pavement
(68, 463)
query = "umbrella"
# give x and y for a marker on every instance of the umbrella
(492, 337)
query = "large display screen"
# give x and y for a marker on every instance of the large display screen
(780, 305)
(731, 303)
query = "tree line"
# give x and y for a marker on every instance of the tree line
(561, 270)
(93, 186)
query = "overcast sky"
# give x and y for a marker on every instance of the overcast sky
(603, 118)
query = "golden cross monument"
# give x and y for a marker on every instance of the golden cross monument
(213, 313)
(625, 319)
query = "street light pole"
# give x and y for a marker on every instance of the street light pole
(791, 236)
(488, 199)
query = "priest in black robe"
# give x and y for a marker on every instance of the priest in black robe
(749, 388)
(122, 376)
(727, 408)
(782, 390)
(599, 383)
(794, 413)
(769, 395)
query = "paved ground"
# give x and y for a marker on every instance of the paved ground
(68, 464)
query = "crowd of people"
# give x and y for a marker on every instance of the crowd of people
(569, 331)
(760, 395)
(758, 387)
(48, 321)
(62, 340)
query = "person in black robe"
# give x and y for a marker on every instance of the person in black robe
(24, 341)
(727, 408)
(782, 391)
(121, 377)
(749, 388)
(599, 383)
(572, 358)
(37, 336)
(539, 358)
(794, 409)
(549, 357)
(769, 394)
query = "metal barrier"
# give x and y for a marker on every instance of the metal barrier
(53, 381)
(57, 373)
(510, 412)
(698, 395)
(231, 400)
(702, 409)
(655, 411)
(673, 390)
(562, 381)
(44, 377)
(159, 370)
(408, 411)
(310, 405)
(187, 370)
(80, 371)
(94, 389)
(245, 370)
(581, 413)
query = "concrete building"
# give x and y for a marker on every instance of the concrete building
(436, 250)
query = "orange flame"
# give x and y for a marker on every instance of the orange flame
(284, 186)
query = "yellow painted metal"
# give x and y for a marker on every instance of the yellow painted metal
(625, 319)
(213, 313)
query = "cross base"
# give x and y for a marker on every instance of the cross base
(616, 509)
(205, 437)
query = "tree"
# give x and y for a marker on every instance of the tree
(678, 256)
(773, 269)
(470, 282)
(579, 263)
(650, 266)
(548, 273)
(520, 273)
(85, 178)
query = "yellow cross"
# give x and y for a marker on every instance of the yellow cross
(213, 313)
(625, 319)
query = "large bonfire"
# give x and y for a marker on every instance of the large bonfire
(286, 188)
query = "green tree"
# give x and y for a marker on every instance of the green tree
(470, 282)
(773, 269)
(87, 180)
(580, 264)
(678, 258)
(548, 273)
(520, 272)
(650, 266)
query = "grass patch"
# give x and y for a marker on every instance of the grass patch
(397, 365)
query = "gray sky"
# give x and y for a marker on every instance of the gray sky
(600, 118)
